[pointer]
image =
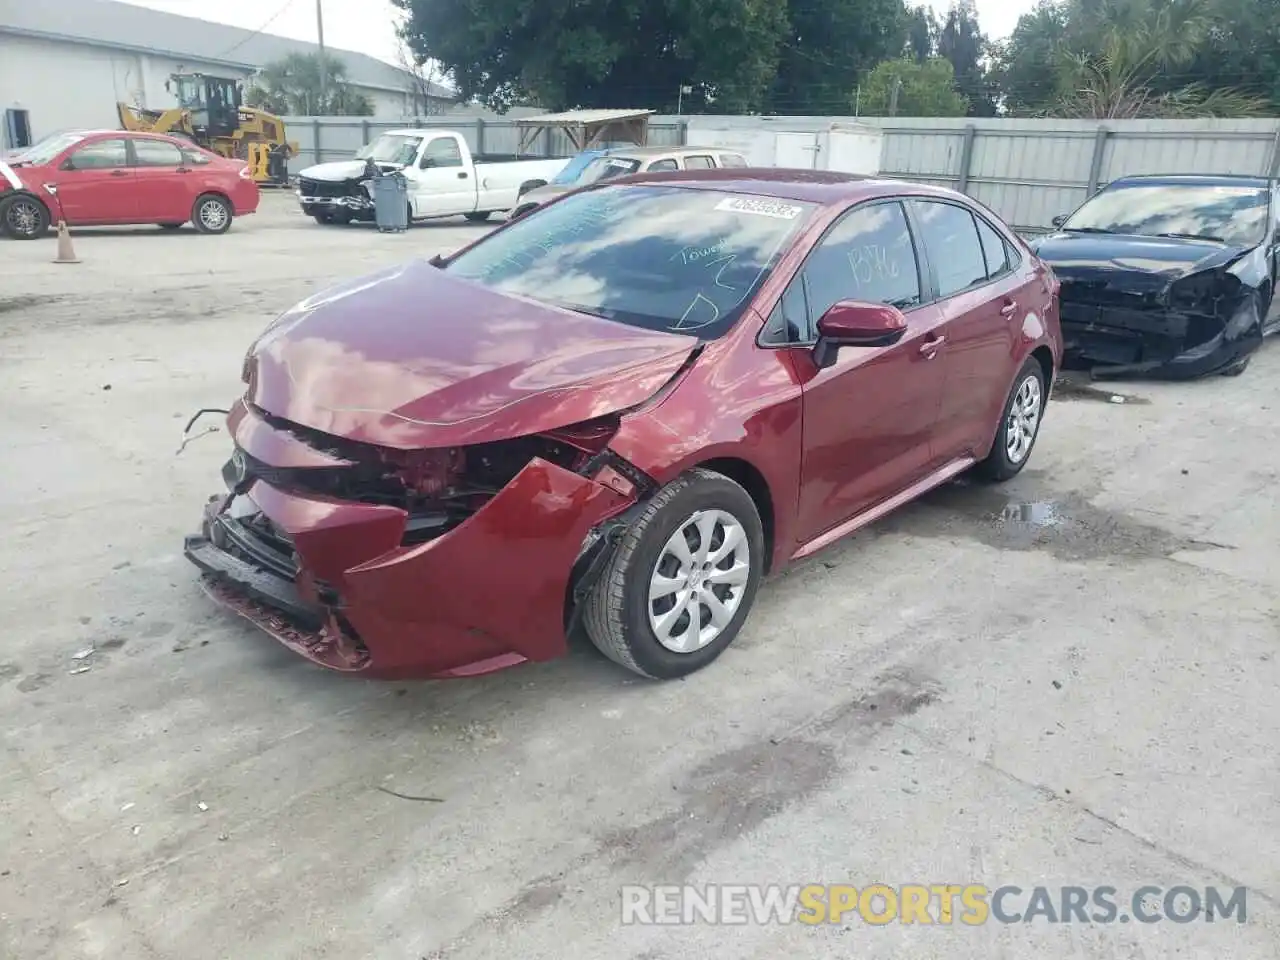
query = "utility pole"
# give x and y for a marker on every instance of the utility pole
(684, 88)
(324, 61)
(893, 96)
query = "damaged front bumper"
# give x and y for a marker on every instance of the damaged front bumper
(335, 582)
(1162, 343)
(354, 207)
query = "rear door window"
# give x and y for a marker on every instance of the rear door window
(732, 160)
(698, 162)
(951, 239)
(994, 249)
(156, 153)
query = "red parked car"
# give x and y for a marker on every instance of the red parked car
(622, 410)
(104, 178)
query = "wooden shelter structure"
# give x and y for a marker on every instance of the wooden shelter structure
(588, 128)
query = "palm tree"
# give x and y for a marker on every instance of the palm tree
(1122, 48)
(293, 85)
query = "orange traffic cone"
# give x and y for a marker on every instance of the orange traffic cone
(66, 253)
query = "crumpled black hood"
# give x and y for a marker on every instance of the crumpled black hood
(1131, 264)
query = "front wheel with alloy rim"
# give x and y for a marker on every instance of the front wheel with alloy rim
(1019, 424)
(24, 218)
(682, 579)
(211, 214)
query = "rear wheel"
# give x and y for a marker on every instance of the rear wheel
(480, 216)
(24, 217)
(211, 214)
(1019, 425)
(682, 580)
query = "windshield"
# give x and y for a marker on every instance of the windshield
(391, 148)
(1236, 215)
(602, 168)
(574, 168)
(662, 258)
(48, 148)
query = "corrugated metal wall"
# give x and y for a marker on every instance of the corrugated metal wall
(1028, 171)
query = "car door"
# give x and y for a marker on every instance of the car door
(96, 184)
(165, 186)
(868, 416)
(442, 186)
(983, 299)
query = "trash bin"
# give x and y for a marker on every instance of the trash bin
(391, 203)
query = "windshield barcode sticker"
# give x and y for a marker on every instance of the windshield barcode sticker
(761, 208)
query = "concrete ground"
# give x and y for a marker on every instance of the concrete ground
(1070, 680)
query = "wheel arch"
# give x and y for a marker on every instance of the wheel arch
(746, 475)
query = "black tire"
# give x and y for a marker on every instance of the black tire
(521, 211)
(999, 465)
(24, 217)
(170, 226)
(617, 611)
(212, 213)
(323, 218)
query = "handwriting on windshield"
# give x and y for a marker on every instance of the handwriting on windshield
(688, 321)
(710, 257)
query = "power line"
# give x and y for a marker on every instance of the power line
(270, 20)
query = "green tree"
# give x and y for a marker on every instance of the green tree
(828, 46)
(1107, 59)
(293, 85)
(923, 90)
(1031, 59)
(603, 53)
(962, 42)
(922, 34)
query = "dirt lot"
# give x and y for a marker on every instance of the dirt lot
(1068, 681)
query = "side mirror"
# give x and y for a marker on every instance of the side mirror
(426, 163)
(1059, 220)
(852, 323)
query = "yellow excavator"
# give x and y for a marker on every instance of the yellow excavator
(210, 114)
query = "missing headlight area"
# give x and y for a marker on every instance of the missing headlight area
(438, 488)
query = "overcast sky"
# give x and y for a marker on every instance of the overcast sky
(367, 25)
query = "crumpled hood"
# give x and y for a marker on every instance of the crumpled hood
(339, 170)
(1130, 264)
(413, 357)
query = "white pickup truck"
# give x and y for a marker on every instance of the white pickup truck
(445, 178)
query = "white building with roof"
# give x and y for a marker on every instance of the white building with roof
(65, 64)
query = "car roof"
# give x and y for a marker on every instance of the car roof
(1193, 179)
(824, 187)
(670, 150)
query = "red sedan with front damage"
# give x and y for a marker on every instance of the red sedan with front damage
(622, 411)
(98, 178)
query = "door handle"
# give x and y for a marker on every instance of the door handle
(1009, 308)
(930, 347)
(119, 173)
(462, 175)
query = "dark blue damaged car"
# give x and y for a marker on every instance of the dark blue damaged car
(1167, 276)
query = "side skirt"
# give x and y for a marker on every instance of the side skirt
(935, 479)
